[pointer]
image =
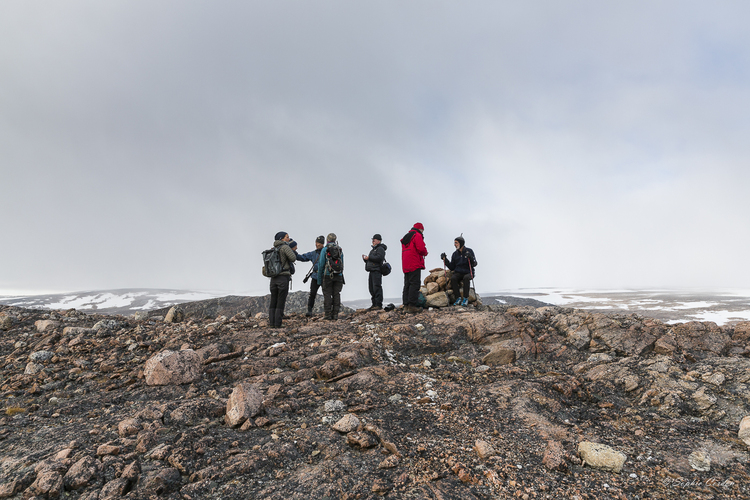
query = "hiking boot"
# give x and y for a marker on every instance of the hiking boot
(309, 312)
(465, 302)
(457, 302)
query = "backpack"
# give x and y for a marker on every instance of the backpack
(385, 268)
(334, 260)
(272, 266)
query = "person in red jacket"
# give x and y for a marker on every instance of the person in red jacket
(413, 252)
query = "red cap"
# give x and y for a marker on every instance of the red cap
(419, 226)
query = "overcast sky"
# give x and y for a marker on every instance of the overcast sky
(574, 143)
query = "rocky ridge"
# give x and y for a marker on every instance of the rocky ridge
(487, 402)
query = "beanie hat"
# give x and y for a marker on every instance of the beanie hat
(419, 226)
(292, 244)
(461, 241)
(331, 237)
(377, 237)
(280, 235)
(320, 239)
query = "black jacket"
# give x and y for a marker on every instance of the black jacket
(376, 258)
(460, 261)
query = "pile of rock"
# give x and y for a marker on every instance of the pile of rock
(437, 289)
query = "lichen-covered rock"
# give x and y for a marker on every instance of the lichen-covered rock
(173, 368)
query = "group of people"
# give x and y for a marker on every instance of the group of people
(327, 272)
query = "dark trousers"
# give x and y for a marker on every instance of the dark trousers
(314, 286)
(332, 296)
(457, 279)
(279, 291)
(412, 283)
(376, 288)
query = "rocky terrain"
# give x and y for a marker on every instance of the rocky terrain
(470, 403)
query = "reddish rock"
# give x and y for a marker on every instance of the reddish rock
(554, 456)
(82, 473)
(499, 356)
(245, 402)
(129, 427)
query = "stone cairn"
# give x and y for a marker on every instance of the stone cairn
(437, 289)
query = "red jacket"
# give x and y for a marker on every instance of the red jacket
(413, 252)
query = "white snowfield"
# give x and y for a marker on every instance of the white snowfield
(671, 306)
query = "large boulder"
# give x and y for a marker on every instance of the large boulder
(173, 368)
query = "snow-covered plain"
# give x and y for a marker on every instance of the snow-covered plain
(671, 306)
(109, 301)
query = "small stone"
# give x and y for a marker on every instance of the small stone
(107, 449)
(129, 427)
(700, 461)
(41, 356)
(390, 462)
(484, 449)
(362, 439)
(554, 456)
(334, 405)
(33, 368)
(600, 456)
(347, 424)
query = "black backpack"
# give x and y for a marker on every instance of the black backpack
(272, 266)
(334, 259)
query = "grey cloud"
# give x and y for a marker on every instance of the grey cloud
(576, 144)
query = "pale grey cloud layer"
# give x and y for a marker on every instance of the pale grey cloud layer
(162, 144)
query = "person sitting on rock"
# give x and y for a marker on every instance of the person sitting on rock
(462, 265)
(314, 257)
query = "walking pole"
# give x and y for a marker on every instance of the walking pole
(471, 273)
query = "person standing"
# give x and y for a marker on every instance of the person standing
(331, 277)
(462, 264)
(373, 263)
(413, 252)
(313, 257)
(280, 282)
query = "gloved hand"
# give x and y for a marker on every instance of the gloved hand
(443, 256)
